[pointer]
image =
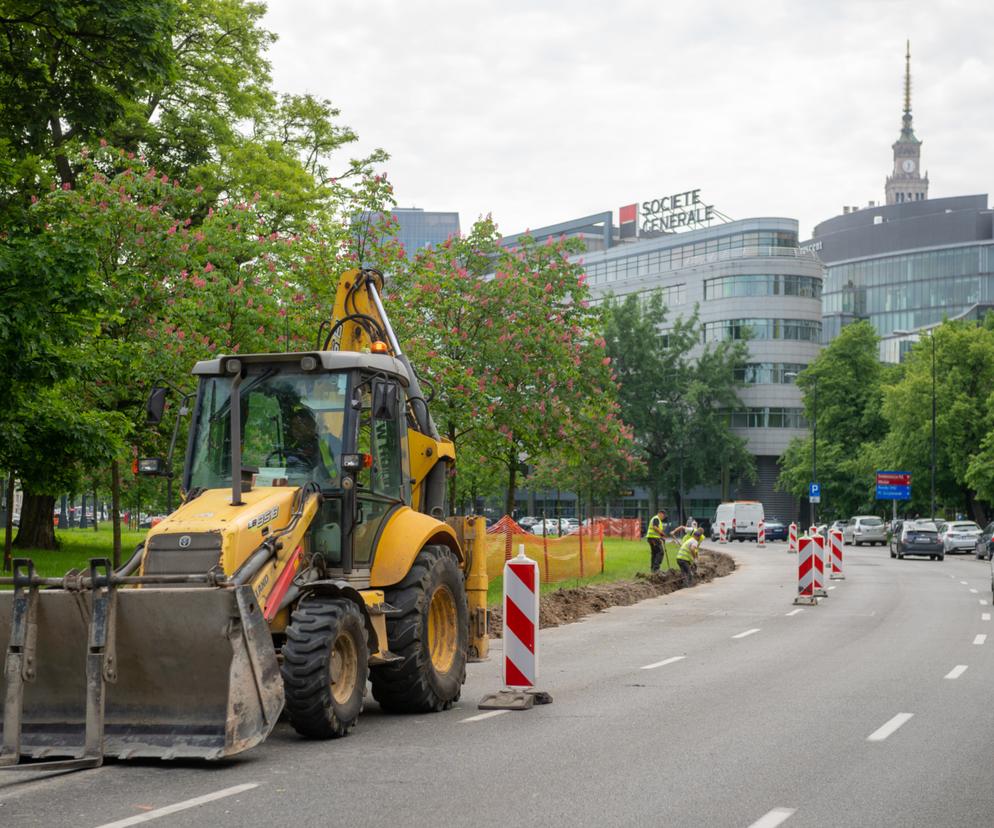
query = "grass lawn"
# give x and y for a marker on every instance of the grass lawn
(77, 547)
(622, 559)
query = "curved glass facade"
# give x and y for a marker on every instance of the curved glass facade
(753, 284)
(769, 373)
(802, 330)
(756, 243)
(769, 418)
(910, 290)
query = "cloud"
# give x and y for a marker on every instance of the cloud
(543, 111)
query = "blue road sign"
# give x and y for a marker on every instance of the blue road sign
(814, 489)
(890, 492)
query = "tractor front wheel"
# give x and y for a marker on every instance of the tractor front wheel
(325, 665)
(430, 632)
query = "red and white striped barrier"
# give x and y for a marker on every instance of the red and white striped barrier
(722, 533)
(835, 555)
(818, 550)
(761, 533)
(812, 530)
(792, 538)
(521, 585)
(806, 563)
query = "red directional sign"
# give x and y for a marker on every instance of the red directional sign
(893, 478)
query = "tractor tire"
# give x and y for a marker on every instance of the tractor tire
(431, 634)
(325, 666)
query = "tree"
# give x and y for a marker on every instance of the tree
(675, 394)
(850, 385)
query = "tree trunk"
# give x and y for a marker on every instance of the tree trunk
(512, 479)
(115, 509)
(36, 530)
(976, 508)
(8, 529)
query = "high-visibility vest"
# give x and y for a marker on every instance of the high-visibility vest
(687, 548)
(655, 527)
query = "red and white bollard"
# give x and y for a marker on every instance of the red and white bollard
(806, 558)
(722, 533)
(521, 586)
(835, 555)
(792, 538)
(761, 533)
(818, 547)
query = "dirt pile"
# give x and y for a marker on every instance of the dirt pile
(567, 605)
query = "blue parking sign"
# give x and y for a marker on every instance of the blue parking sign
(814, 492)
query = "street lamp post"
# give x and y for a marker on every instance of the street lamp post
(814, 436)
(931, 336)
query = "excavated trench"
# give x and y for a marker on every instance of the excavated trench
(564, 606)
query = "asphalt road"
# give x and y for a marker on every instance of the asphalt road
(720, 705)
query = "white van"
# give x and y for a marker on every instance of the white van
(741, 519)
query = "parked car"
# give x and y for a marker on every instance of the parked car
(985, 542)
(570, 525)
(776, 530)
(865, 529)
(917, 537)
(839, 525)
(741, 519)
(959, 536)
(527, 522)
(551, 526)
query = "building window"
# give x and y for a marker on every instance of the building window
(768, 418)
(802, 330)
(727, 287)
(769, 373)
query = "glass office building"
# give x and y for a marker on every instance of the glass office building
(418, 228)
(741, 276)
(906, 266)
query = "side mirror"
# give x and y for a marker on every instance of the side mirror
(385, 400)
(156, 405)
(152, 467)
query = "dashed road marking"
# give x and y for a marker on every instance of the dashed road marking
(983, 603)
(663, 663)
(774, 818)
(985, 616)
(488, 715)
(794, 612)
(973, 591)
(980, 639)
(886, 730)
(831, 587)
(181, 806)
(956, 672)
(747, 632)
(963, 582)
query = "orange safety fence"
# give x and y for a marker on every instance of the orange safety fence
(503, 525)
(627, 528)
(559, 559)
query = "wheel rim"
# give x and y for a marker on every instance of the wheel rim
(344, 668)
(442, 633)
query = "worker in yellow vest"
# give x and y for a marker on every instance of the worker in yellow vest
(686, 557)
(656, 537)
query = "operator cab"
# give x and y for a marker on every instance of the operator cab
(332, 420)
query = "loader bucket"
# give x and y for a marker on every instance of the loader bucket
(187, 673)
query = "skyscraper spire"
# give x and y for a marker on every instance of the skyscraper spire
(907, 80)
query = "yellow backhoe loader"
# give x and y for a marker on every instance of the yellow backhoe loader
(311, 554)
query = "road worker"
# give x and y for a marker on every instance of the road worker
(656, 536)
(686, 557)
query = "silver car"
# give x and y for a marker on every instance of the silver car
(959, 536)
(865, 529)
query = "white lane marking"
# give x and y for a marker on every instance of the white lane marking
(488, 715)
(882, 733)
(747, 632)
(831, 587)
(773, 818)
(794, 612)
(980, 639)
(180, 806)
(963, 582)
(983, 603)
(956, 672)
(985, 616)
(663, 663)
(973, 591)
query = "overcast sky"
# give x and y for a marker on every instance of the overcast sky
(538, 112)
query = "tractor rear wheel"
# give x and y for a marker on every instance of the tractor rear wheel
(325, 665)
(430, 632)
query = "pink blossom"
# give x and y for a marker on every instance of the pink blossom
(208, 267)
(66, 185)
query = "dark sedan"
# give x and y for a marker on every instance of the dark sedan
(985, 543)
(776, 530)
(919, 537)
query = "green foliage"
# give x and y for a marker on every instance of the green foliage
(675, 394)
(844, 388)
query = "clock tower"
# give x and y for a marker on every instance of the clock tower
(906, 183)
